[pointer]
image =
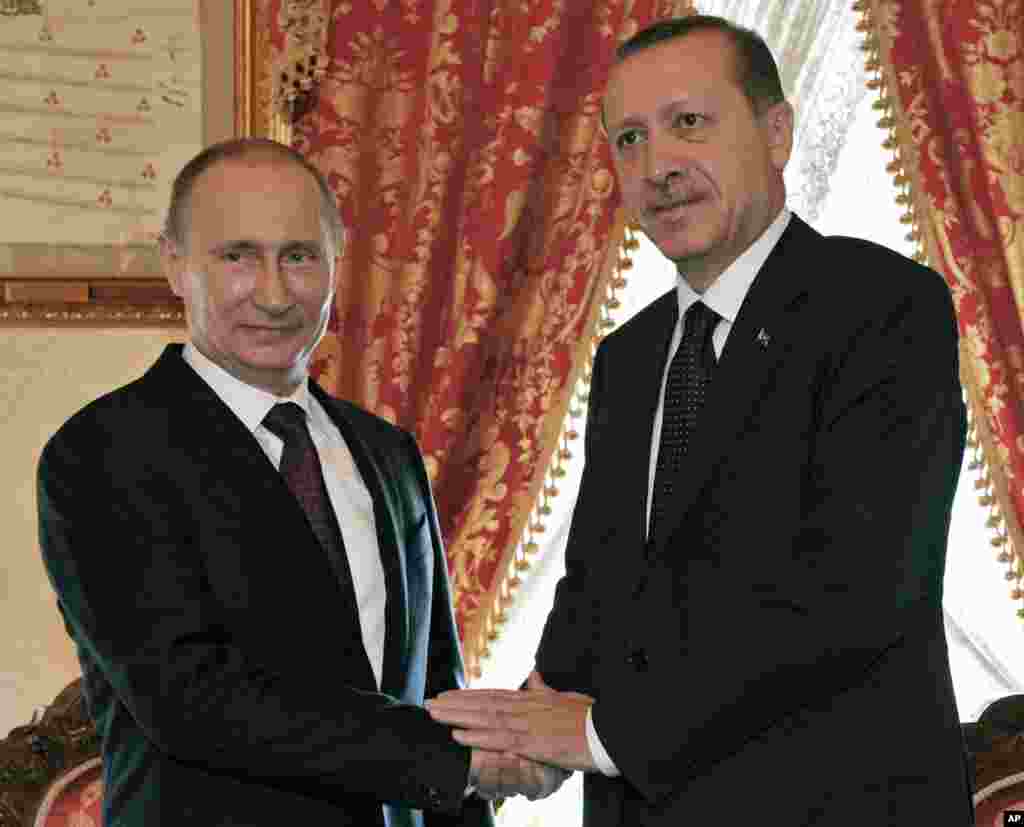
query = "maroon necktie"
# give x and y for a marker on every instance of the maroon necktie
(689, 376)
(300, 467)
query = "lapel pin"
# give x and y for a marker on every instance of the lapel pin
(763, 339)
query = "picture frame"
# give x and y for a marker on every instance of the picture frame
(121, 285)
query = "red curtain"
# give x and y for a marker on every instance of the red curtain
(463, 141)
(952, 79)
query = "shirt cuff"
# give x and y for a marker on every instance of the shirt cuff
(597, 750)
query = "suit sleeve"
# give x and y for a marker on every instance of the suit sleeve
(865, 565)
(445, 669)
(134, 592)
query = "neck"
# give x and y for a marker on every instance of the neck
(702, 270)
(699, 278)
(277, 382)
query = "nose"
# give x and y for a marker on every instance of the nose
(661, 166)
(664, 179)
(271, 293)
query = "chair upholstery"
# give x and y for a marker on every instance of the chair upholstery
(996, 745)
(52, 764)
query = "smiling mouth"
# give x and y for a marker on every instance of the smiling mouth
(266, 329)
(672, 211)
(658, 209)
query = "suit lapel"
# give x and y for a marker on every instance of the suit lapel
(386, 520)
(755, 351)
(253, 478)
(640, 394)
(216, 431)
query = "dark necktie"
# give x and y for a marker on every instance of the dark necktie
(300, 467)
(689, 376)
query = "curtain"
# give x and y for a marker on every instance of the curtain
(463, 142)
(951, 74)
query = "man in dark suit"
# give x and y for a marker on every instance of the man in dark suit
(252, 570)
(750, 623)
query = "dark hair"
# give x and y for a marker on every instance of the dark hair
(756, 71)
(176, 225)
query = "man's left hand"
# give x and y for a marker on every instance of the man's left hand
(537, 723)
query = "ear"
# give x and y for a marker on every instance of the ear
(777, 123)
(173, 262)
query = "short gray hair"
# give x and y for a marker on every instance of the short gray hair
(176, 224)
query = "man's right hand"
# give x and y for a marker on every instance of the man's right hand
(503, 775)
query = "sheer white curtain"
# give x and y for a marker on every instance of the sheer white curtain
(983, 632)
(830, 189)
(817, 48)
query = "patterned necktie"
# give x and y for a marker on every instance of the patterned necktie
(300, 467)
(689, 376)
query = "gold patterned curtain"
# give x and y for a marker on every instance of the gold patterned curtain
(463, 142)
(951, 74)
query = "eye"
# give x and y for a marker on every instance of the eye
(688, 120)
(300, 257)
(628, 138)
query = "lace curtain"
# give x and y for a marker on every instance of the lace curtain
(817, 48)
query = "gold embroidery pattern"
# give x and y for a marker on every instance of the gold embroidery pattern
(466, 154)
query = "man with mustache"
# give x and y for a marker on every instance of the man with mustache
(750, 624)
(252, 570)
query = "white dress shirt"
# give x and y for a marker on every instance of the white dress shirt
(353, 505)
(724, 296)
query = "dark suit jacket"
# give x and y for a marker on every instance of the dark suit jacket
(778, 652)
(228, 684)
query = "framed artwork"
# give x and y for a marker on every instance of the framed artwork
(103, 102)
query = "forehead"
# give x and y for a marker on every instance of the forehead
(258, 198)
(699, 65)
(256, 174)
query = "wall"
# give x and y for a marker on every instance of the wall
(45, 376)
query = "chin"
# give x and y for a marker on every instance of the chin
(681, 250)
(274, 358)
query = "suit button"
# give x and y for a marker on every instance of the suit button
(638, 660)
(434, 797)
(638, 590)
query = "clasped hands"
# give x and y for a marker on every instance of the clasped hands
(524, 742)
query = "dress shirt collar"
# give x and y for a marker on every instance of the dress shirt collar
(726, 293)
(248, 403)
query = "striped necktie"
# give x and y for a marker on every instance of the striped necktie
(300, 467)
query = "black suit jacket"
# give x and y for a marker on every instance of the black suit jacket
(778, 652)
(228, 684)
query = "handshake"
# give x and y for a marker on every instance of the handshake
(524, 742)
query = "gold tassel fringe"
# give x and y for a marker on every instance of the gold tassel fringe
(536, 524)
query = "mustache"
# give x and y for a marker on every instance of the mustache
(675, 189)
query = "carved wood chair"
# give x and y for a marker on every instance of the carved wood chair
(51, 774)
(996, 746)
